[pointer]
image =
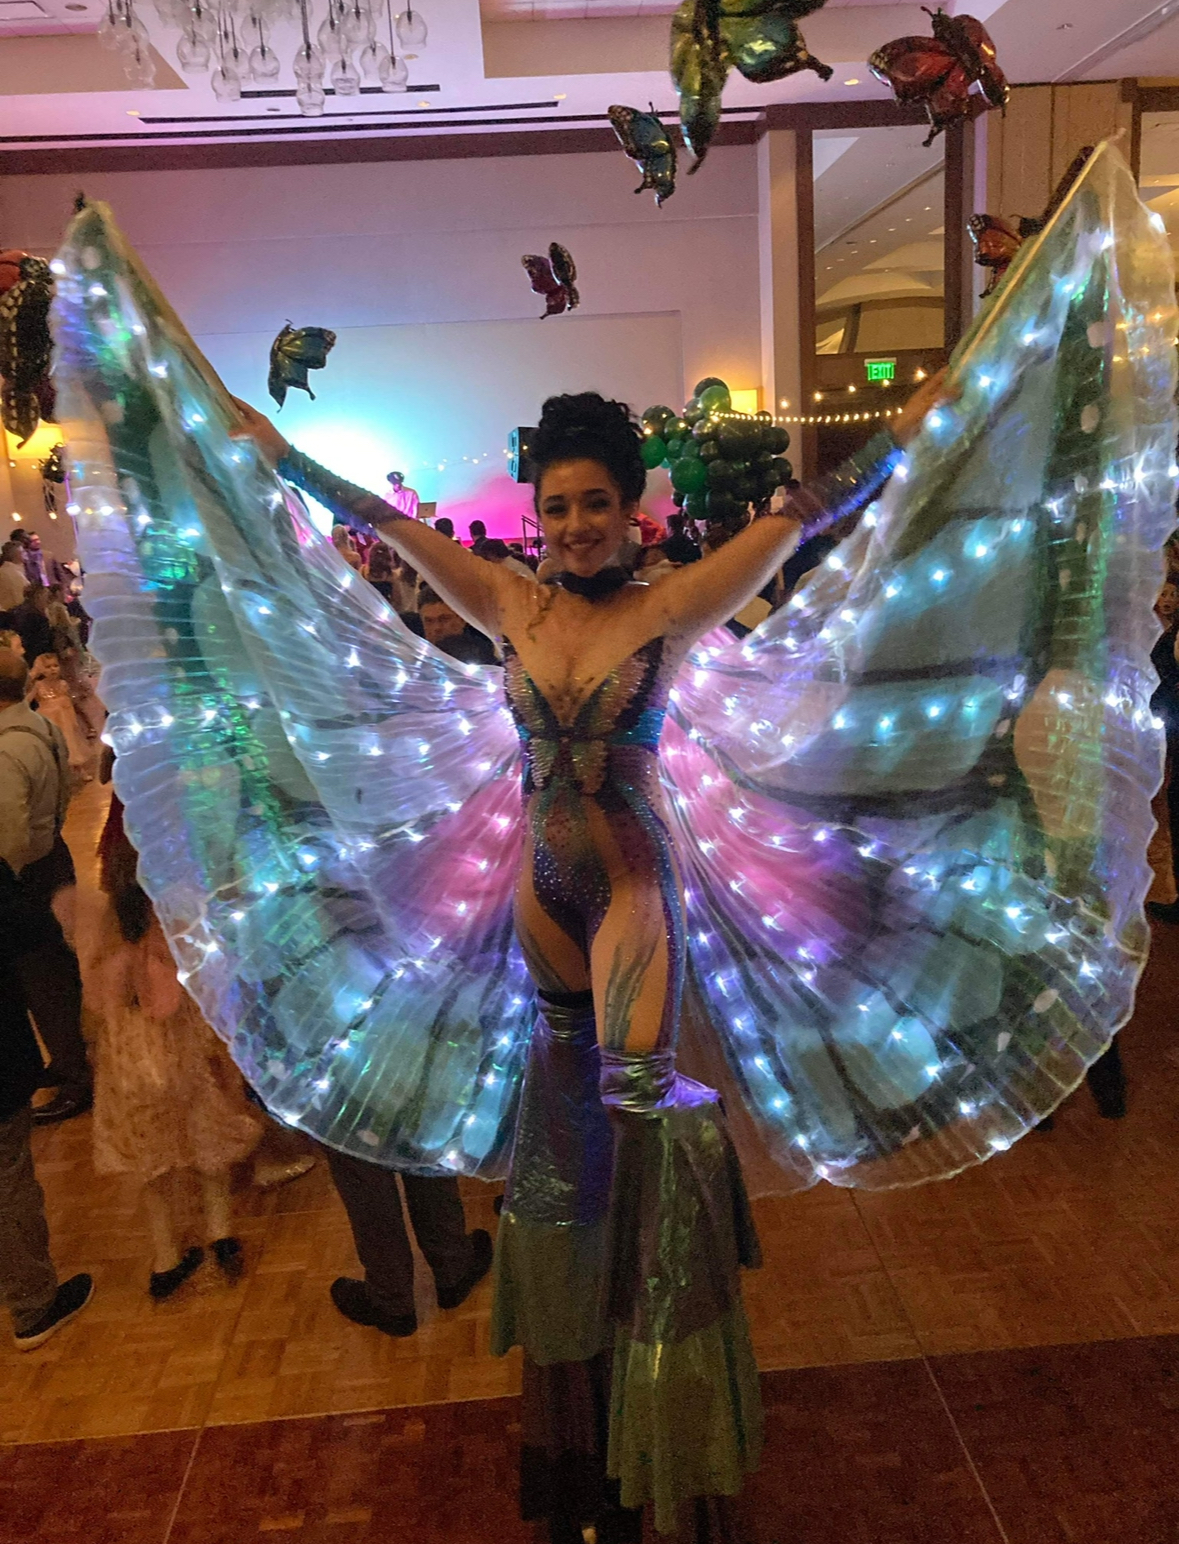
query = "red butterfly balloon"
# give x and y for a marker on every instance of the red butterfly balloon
(553, 277)
(996, 241)
(938, 72)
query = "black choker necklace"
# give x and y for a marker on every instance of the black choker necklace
(604, 582)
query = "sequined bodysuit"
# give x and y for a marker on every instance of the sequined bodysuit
(593, 801)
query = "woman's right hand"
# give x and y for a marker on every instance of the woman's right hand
(257, 427)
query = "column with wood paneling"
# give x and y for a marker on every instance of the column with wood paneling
(787, 304)
(1030, 146)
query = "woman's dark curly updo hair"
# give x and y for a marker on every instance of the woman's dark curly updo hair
(585, 426)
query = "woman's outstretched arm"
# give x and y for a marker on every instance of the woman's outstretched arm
(703, 595)
(473, 587)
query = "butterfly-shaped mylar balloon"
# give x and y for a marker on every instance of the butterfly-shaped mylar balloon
(997, 239)
(295, 351)
(647, 141)
(760, 38)
(554, 277)
(938, 72)
(26, 347)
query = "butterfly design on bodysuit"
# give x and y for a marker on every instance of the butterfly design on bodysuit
(625, 708)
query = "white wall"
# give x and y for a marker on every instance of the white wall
(434, 247)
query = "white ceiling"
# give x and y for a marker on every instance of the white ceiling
(487, 69)
(46, 18)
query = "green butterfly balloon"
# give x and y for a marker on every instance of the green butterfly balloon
(295, 351)
(760, 38)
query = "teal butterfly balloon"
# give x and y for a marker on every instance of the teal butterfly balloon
(646, 140)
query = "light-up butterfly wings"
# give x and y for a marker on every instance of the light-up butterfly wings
(914, 805)
(326, 808)
(911, 809)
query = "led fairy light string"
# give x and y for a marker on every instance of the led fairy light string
(812, 418)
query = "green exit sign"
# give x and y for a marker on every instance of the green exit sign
(880, 369)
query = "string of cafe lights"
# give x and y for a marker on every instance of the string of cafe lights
(810, 419)
(814, 418)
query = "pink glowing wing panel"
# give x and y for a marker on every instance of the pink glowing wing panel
(913, 807)
(326, 808)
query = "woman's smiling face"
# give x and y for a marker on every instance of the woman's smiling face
(583, 515)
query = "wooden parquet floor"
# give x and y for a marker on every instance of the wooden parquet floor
(992, 1358)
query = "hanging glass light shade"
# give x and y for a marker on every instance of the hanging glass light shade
(226, 84)
(344, 77)
(412, 31)
(359, 24)
(311, 99)
(265, 65)
(372, 59)
(193, 53)
(393, 74)
(309, 65)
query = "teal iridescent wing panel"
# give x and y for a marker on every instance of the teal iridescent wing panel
(326, 808)
(913, 807)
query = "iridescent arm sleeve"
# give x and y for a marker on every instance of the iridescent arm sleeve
(826, 500)
(344, 499)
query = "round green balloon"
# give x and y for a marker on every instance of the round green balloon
(654, 452)
(776, 440)
(674, 448)
(709, 380)
(696, 506)
(721, 474)
(709, 450)
(783, 471)
(691, 449)
(689, 475)
(731, 439)
(716, 399)
(658, 416)
(676, 429)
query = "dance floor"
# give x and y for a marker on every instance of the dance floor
(995, 1358)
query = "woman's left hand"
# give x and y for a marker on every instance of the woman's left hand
(932, 393)
(257, 427)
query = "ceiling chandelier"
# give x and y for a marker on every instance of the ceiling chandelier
(336, 49)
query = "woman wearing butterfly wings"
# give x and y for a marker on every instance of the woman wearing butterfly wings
(625, 1212)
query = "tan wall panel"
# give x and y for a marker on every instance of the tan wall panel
(1030, 147)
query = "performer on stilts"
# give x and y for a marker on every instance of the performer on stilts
(888, 851)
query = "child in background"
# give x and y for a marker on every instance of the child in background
(166, 1098)
(49, 692)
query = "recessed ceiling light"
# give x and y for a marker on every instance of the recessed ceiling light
(423, 104)
(560, 97)
(133, 112)
(854, 81)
